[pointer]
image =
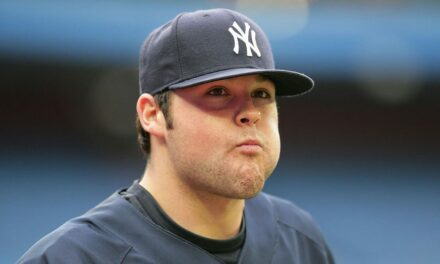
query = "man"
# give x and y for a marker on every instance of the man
(208, 122)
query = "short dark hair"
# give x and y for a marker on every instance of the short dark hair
(163, 100)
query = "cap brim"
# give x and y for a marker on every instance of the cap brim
(287, 83)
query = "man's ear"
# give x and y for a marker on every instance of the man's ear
(150, 116)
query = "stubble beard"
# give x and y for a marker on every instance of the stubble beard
(226, 177)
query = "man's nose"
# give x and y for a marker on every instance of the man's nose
(248, 115)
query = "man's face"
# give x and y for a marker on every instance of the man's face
(225, 138)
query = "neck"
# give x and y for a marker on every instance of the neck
(200, 212)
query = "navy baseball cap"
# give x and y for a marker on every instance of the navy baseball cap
(209, 45)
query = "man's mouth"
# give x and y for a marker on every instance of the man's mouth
(250, 147)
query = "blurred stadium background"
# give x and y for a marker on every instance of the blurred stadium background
(361, 152)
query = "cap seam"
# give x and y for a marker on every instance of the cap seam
(177, 45)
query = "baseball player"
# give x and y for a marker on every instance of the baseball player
(208, 123)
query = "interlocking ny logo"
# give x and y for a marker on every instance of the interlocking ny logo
(244, 36)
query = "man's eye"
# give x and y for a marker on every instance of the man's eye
(261, 94)
(218, 91)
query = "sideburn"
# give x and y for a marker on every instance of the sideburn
(164, 101)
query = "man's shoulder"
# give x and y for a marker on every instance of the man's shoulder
(291, 216)
(79, 240)
(292, 232)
